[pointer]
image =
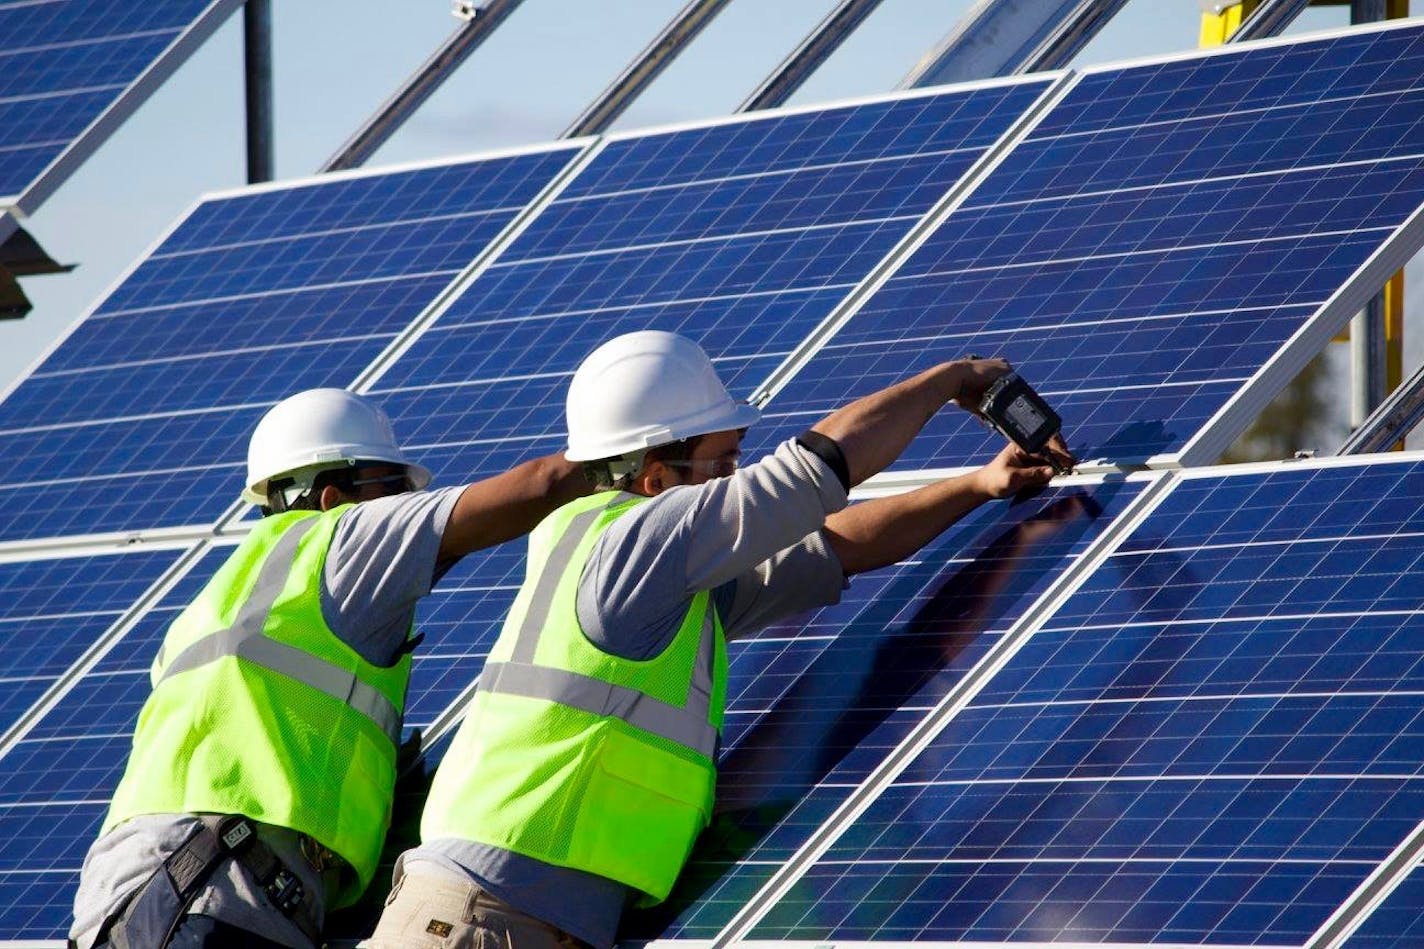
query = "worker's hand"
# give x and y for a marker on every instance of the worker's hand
(1013, 470)
(975, 376)
(1057, 452)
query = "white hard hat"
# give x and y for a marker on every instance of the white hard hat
(644, 389)
(319, 429)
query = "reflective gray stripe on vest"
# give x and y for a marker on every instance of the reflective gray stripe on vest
(244, 638)
(547, 585)
(688, 725)
(679, 725)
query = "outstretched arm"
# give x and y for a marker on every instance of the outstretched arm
(509, 505)
(886, 530)
(874, 429)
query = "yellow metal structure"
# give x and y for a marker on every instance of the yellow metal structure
(1219, 21)
(1222, 19)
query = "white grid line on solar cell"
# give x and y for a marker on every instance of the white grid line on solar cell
(1240, 312)
(267, 294)
(337, 231)
(61, 94)
(695, 241)
(1154, 252)
(73, 44)
(452, 325)
(198, 357)
(1168, 185)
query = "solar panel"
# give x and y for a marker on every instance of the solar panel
(72, 70)
(140, 418)
(1214, 739)
(1171, 756)
(1398, 922)
(1163, 251)
(52, 610)
(741, 234)
(816, 704)
(57, 779)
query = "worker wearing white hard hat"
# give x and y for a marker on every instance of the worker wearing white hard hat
(585, 766)
(259, 787)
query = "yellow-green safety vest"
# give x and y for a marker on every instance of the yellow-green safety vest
(576, 757)
(258, 708)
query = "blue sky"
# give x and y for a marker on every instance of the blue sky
(336, 61)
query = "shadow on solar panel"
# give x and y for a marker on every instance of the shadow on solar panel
(818, 702)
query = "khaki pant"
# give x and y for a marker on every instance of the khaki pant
(431, 912)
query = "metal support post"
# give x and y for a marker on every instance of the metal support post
(1367, 330)
(646, 67)
(257, 59)
(421, 85)
(814, 50)
(1367, 361)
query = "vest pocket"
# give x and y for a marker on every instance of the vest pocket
(642, 810)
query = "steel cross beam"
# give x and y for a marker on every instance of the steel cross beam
(646, 67)
(421, 85)
(1395, 418)
(1012, 37)
(814, 50)
(1268, 19)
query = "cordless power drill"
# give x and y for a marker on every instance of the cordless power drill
(1012, 407)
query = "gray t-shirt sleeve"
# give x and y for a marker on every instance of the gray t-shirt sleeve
(382, 560)
(802, 577)
(635, 587)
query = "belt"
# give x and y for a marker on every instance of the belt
(149, 918)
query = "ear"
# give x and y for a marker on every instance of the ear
(331, 497)
(651, 481)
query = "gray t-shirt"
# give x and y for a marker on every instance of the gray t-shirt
(382, 559)
(753, 539)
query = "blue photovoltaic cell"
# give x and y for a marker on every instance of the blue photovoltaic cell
(460, 621)
(1214, 740)
(1141, 268)
(55, 783)
(1398, 922)
(51, 611)
(64, 62)
(741, 235)
(817, 702)
(140, 418)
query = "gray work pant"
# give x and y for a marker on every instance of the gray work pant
(434, 912)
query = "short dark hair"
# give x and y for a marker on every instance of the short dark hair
(339, 478)
(597, 472)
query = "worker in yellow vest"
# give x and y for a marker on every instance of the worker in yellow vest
(259, 786)
(584, 769)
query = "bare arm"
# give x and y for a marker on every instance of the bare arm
(874, 429)
(509, 505)
(886, 530)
